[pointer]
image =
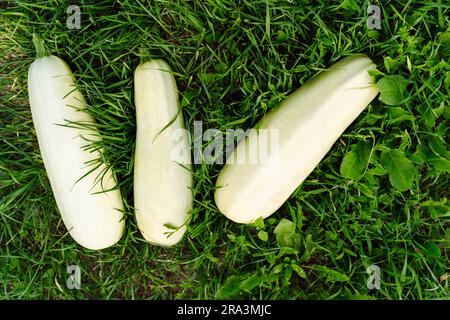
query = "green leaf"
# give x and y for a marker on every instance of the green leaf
(391, 64)
(285, 233)
(221, 67)
(432, 250)
(429, 114)
(285, 251)
(398, 114)
(372, 118)
(351, 5)
(332, 275)
(373, 34)
(437, 209)
(438, 146)
(282, 36)
(230, 288)
(259, 223)
(207, 78)
(392, 89)
(355, 161)
(421, 155)
(374, 73)
(171, 226)
(250, 283)
(278, 268)
(263, 235)
(444, 39)
(310, 247)
(301, 273)
(271, 258)
(402, 172)
(211, 258)
(440, 164)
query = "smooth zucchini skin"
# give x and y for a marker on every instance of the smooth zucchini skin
(309, 122)
(162, 179)
(93, 217)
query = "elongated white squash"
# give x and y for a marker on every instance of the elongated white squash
(92, 216)
(308, 123)
(162, 176)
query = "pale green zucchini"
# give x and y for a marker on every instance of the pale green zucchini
(309, 122)
(162, 176)
(93, 217)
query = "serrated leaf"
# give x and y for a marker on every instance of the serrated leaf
(271, 259)
(440, 164)
(355, 161)
(351, 5)
(429, 114)
(271, 278)
(230, 288)
(284, 251)
(250, 283)
(391, 64)
(437, 209)
(392, 89)
(402, 172)
(398, 114)
(444, 38)
(421, 154)
(372, 118)
(376, 171)
(438, 147)
(332, 275)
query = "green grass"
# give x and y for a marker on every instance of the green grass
(234, 61)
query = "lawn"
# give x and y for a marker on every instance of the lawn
(376, 205)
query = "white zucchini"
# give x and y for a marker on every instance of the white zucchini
(309, 122)
(93, 217)
(162, 179)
